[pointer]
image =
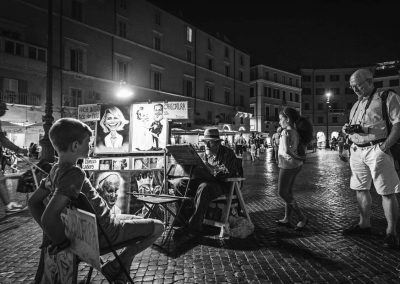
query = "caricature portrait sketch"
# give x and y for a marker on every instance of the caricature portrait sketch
(112, 135)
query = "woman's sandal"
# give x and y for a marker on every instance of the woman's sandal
(283, 224)
(300, 225)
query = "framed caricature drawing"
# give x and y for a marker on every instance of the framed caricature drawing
(112, 130)
(113, 186)
(149, 127)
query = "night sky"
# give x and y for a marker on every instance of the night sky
(300, 34)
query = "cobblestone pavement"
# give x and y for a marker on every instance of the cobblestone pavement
(319, 254)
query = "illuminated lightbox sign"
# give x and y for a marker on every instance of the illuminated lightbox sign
(176, 110)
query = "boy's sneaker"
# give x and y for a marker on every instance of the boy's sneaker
(109, 271)
(356, 230)
(391, 241)
(14, 207)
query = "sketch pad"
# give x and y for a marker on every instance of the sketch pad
(186, 155)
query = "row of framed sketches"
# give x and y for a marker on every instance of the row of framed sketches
(123, 163)
(134, 128)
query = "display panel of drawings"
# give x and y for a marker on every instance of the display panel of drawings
(115, 164)
(149, 127)
(112, 131)
(119, 189)
(147, 163)
(144, 182)
(114, 187)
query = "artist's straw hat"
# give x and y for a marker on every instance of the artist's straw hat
(211, 134)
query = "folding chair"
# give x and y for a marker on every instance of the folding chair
(154, 202)
(83, 203)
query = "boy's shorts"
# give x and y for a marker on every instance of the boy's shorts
(127, 228)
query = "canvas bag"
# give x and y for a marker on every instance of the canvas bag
(395, 149)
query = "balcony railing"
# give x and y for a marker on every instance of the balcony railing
(271, 118)
(20, 98)
(23, 49)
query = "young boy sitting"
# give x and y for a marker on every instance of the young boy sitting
(70, 138)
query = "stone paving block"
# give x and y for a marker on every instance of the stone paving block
(320, 254)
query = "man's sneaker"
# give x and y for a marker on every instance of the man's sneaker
(109, 271)
(391, 241)
(356, 230)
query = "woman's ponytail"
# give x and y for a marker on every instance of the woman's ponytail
(305, 130)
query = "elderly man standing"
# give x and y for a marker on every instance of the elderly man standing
(223, 163)
(371, 160)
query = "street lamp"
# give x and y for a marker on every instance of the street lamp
(328, 95)
(124, 92)
(47, 148)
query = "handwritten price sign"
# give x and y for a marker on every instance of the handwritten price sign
(89, 112)
(90, 164)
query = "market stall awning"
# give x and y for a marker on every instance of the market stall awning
(35, 125)
(11, 127)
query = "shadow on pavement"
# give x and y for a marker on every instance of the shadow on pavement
(299, 252)
(14, 220)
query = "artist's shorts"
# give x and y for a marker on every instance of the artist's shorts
(371, 164)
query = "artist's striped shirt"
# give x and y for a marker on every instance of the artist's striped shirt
(226, 163)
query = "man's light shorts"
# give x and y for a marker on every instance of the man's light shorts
(371, 164)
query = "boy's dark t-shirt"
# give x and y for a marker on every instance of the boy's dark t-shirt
(69, 180)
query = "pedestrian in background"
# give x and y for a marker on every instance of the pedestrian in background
(296, 133)
(253, 150)
(340, 143)
(275, 142)
(314, 144)
(240, 143)
(370, 159)
(11, 206)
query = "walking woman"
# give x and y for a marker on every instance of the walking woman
(296, 133)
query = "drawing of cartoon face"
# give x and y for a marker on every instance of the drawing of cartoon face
(112, 121)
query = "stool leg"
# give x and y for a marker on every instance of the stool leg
(241, 201)
(89, 275)
(227, 211)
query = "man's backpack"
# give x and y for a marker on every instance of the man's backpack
(395, 149)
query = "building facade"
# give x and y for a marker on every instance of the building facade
(100, 45)
(329, 115)
(270, 90)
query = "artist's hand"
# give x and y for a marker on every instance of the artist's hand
(54, 249)
(345, 127)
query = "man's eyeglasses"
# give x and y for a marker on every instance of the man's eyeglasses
(357, 86)
(210, 142)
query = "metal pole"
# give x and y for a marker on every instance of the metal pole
(47, 148)
(327, 126)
